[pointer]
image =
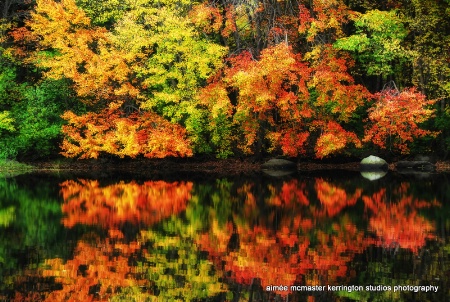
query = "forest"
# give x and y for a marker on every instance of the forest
(224, 78)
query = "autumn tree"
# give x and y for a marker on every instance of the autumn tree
(172, 60)
(112, 131)
(394, 119)
(271, 103)
(158, 70)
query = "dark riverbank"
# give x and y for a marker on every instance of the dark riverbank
(207, 166)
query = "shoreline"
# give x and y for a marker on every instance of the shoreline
(206, 166)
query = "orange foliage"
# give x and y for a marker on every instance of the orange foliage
(260, 255)
(110, 131)
(282, 257)
(291, 194)
(86, 202)
(23, 39)
(83, 53)
(272, 90)
(396, 116)
(334, 138)
(206, 18)
(337, 98)
(330, 257)
(274, 99)
(398, 224)
(338, 95)
(292, 141)
(324, 20)
(230, 21)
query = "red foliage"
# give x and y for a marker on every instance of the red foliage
(395, 118)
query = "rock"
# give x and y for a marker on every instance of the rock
(415, 165)
(373, 163)
(429, 158)
(278, 173)
(416, 174)
(373, 175)
(279, 164)
(279, 167)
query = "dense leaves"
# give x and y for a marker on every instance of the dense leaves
(111, 131)
(395, 118)
(232, 78)
(377, 42)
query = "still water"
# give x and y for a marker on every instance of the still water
(309, 237)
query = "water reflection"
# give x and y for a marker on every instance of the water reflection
(112, 269)
(86, 202)
(396, 221)
(221, 240)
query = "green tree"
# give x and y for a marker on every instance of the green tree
(35, 122)
(378, 42)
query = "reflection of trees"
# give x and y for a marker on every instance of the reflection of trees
(86, 202)
(397, 223)
(333, 198)
(29, 220)
(282, 257)
(286, 244)
(246, 234)
(154, 266)
(96, 272)
(300, 233)
(394, 265)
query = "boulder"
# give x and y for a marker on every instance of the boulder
(278, 173)
(373, 163)
(279, 164)
(415, 165)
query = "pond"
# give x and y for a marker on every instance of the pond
(317, 236)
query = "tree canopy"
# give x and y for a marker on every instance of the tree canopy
(228, 78)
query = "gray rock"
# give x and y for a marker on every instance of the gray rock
(279, 164)
(415, 165)
(373, 163)
(278, 173)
